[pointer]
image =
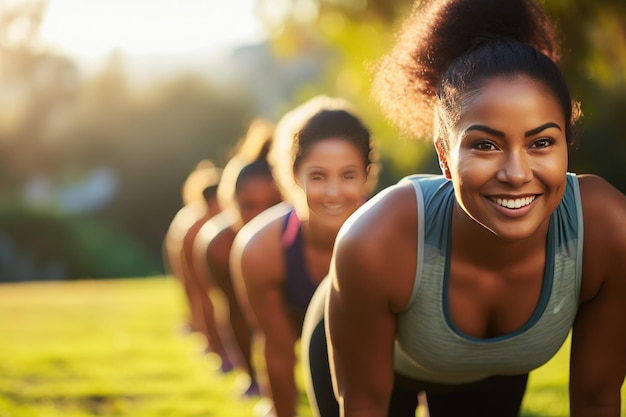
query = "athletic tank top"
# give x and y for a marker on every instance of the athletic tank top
(299, 286)
(428, 345)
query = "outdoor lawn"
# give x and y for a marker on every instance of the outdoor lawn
(115, 348)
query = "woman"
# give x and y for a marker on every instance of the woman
(246, 189)
(321, 158)
(199, 205)
(462, 284)
(197, 286)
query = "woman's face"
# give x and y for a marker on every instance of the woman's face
(508, 157)
(333, 177)
(255, 195)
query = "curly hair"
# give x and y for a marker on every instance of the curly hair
(447, 49)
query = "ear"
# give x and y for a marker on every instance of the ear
(442, 154)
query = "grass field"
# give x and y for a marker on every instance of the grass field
(113, 348)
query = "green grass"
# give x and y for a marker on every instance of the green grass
(112, 348)
(106, 348)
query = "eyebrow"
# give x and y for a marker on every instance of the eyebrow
(499, 133)
(545, 126)
(351, 166)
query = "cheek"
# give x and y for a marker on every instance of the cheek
(258, 200)
(313, 189)
(270, 198)
(466, 169)
(356, 190)
(559, 162)
(273, 196)
(553, 173)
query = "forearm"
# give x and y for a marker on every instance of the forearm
(596, 411)
(280, 373)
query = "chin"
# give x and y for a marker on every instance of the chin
(512, 234)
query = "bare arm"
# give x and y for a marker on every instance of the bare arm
(362, 304)
(277, 338)
(257, 261)
(598, 360)
(244, 239)
(218, 255)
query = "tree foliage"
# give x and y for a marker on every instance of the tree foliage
(57, 127)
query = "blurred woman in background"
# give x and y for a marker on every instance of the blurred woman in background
(246, 189)
(321, 158)
(200, 203)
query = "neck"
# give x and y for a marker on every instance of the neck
(319, 235)
(473, 242)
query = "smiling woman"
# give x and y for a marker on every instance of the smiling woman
(90, 28)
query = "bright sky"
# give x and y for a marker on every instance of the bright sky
(91, 28)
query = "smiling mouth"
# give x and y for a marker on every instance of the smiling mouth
(333, 206)
(513, 203)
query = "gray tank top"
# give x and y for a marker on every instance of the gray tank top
(430, 348)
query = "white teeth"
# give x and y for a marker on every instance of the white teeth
(333, 206)
(513, 202)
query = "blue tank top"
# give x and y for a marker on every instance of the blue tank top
(299, 286)
(428, 345)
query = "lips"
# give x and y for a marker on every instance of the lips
(513, 203)
(333, 206)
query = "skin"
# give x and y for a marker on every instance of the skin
(509, 143)
(182, 221)
(198, 287)
(253, 196)
(183, 225)
(333, 178)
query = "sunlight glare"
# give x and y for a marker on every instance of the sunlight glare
(92, 28)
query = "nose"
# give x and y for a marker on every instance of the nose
(332, 188)
(516, 169)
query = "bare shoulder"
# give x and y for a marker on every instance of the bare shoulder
(260, 228)
(257, 250)
(212, 227)
(604, 211)
(381, 220)
(206, 236)
(377, 245)
(219, 235)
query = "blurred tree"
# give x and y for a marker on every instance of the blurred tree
(594, 62)
(36, 87)
(57, 129)
(152, 139)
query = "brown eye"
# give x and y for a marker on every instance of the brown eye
(542, 143)
(484, 146)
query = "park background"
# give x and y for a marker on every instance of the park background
(107, 105)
